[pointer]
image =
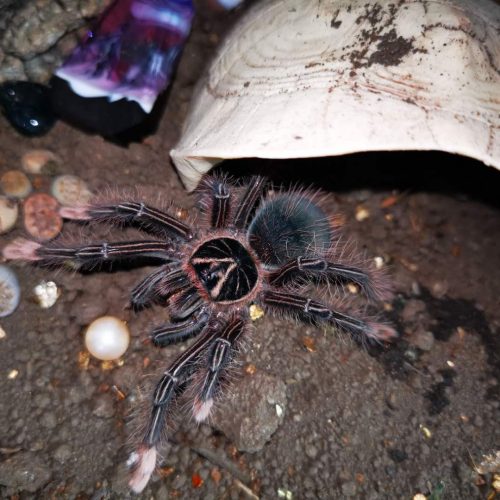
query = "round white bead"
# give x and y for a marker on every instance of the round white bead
(107, 338)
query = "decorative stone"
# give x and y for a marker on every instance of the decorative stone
(15, 184)
(8, 214)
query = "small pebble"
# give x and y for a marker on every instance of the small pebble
(41, 216)
(70, 190)
(63, 453)
(424, 340)
(10, 292)
(311, 451)
(14, 183)
(362, 213)
(8, 214)
(439, 289)
(40, 161)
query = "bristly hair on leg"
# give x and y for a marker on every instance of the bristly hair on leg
(143, 464)
(348, 265)
(21, 249)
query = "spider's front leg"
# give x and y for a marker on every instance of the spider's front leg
(249, 200)
(300, 267)
(56, 253)
(146, 217)
(309, 310)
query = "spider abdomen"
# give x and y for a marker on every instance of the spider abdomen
(289, 225)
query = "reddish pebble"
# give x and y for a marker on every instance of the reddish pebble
(216, 475)
(41, 217)
(196, 480)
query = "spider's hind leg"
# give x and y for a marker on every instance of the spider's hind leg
(170, 386)
(371, 284)
(311, 311)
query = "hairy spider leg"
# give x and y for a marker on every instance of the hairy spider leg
(172, 333)
(248, 201)
(88, 254)
(147, 291)
(148, 218)
(170, 385)
(309, 310)
(316, 266)
(221, 352)
(221, 201)
(185, 303)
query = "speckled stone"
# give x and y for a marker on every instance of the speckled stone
(37, 36)
(24, 471)
(250, 417)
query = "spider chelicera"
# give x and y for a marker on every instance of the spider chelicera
(248, 246)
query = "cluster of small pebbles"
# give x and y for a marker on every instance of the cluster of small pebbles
(23, 192)
(40, 210)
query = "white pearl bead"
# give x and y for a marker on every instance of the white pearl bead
(107, 338)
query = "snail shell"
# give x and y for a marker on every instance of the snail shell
(306, 78)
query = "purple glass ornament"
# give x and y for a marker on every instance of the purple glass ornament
(132, 51)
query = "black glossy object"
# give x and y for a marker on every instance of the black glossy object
(95, 114)
(27, 107)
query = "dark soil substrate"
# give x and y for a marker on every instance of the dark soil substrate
(387, 422)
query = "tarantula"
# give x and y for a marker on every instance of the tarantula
(248, 247)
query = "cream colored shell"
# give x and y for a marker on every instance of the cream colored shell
(310, 78)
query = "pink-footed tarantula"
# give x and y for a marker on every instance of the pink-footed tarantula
(249, 246)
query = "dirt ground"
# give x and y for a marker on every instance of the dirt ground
(390, 422)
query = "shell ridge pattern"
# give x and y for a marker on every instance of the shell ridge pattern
(365, 75)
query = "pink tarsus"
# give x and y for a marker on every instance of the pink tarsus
(144, 464)
(75, 213)
(202, 409)
(21, 249)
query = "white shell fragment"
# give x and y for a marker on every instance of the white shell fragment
(107, 338)
(304, 78)
(9, 212)
(10, 292)
(46, 294)
(70, 190)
